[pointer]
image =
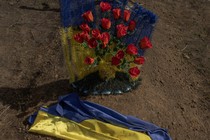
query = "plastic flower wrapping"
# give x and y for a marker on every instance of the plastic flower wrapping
(104, 43)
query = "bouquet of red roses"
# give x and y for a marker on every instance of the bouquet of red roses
(107, 50)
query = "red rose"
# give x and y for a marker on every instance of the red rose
(92, 43)
(145, 43)
(88, 16)
(96, 34)
(78, 38)
(139, 60)
(85, 36)
(121, 30)
(115, 61)
(116, 13)
(134, 72)
(105, 23)
(105, 37)
(105, 6)
(132, 50)
(127, 15)
(84, 27)
(132, 25)
(89, 60)
(120, 54)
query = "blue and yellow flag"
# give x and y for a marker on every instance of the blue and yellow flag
(74, 119)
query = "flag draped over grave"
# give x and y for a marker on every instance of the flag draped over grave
(93, 62)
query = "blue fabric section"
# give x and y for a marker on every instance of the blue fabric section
(71, 11)
(124, 2)
(71, 107)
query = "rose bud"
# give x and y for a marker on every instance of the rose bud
(126, 15)
(78, 38)
(116, 13)
(121, 30)
(115, 61)
(134, 72)
(89, 60)
(139, 60)
(96, 34)
(106, 23)
(105, 6)
(85, 36)
(131, 49)
(84, 27)
(132, 25)
(105, 38)
(145, 43)
(120, 54)
(92, 43)
(88, 16)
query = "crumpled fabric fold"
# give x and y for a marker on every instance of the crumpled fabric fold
(74, 109)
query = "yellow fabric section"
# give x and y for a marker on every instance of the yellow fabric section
(75, 55)
(66, 49)
(65, 129)
(59, 127)
(114, 131)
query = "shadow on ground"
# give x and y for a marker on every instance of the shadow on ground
(25, 98)
(45, 7)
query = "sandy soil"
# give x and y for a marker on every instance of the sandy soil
(175, 91)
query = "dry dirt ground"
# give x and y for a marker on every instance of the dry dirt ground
(175, 91)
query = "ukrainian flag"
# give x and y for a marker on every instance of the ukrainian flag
(74, 119)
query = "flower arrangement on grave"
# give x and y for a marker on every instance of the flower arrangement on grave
(104, 44)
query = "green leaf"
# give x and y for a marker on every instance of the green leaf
(84, 44)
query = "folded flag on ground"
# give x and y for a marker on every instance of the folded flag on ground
(75, 119)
